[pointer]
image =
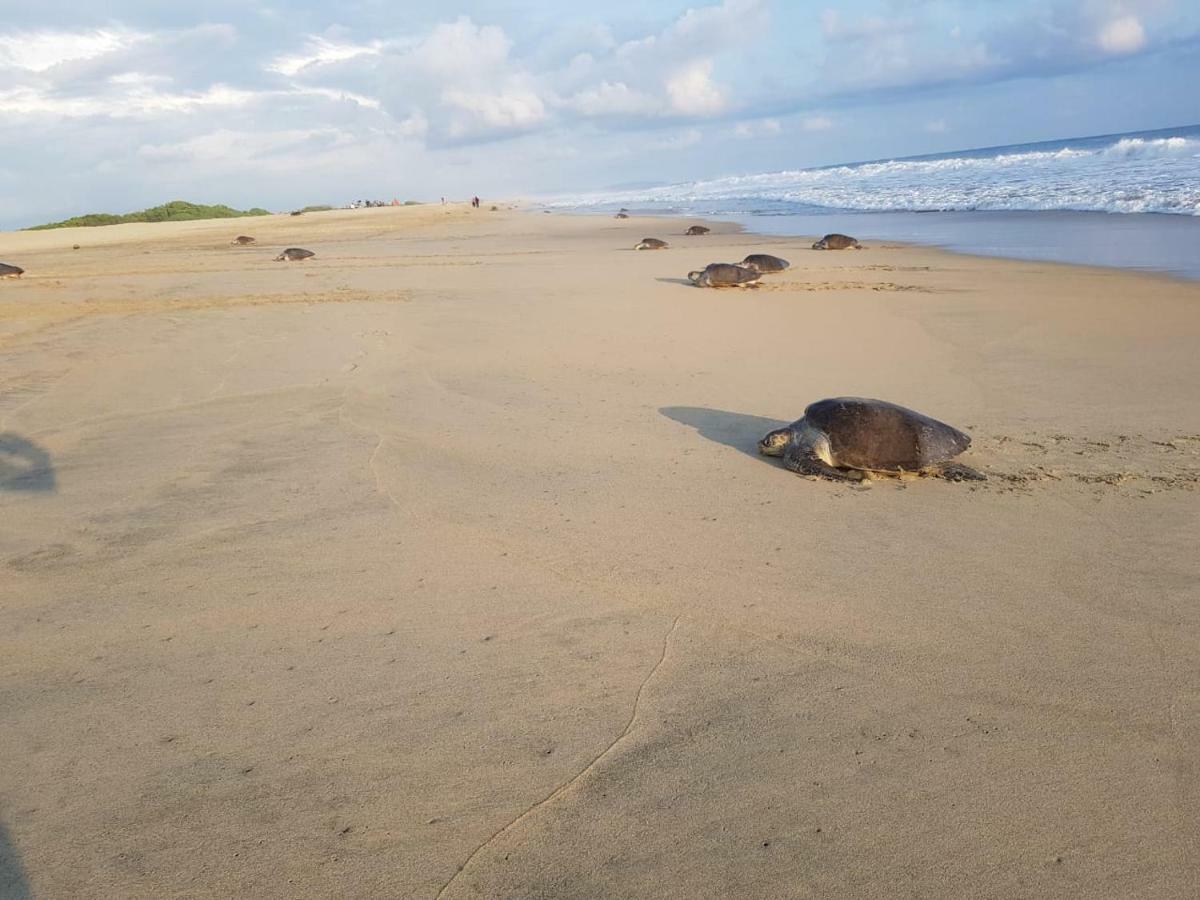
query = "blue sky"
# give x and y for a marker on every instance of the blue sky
(125, 104)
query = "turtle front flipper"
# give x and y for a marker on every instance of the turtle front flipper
(803, 461)
(953, 471)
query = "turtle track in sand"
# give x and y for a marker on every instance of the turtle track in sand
(1133, 464)
(883, 286)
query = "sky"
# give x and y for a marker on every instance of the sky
(117, 106)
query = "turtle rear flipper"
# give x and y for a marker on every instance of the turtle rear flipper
(953, 471)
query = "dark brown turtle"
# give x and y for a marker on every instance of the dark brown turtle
(845, 437)
(717, 275)
(764, 262)
(837, 242)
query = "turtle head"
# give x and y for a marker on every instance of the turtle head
(774, 443)
(694, 277)
(819, 245)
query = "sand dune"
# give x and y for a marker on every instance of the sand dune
(443, 565)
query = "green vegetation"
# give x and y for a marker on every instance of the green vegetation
(315, 209)
(175, 211)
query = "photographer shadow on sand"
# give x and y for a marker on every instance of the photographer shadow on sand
(24, 466)
(13, 883)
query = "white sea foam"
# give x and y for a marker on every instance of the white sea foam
(1129, 175)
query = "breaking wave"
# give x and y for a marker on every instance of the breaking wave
(1139, 173)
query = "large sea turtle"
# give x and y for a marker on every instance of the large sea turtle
(764, 262)
(697, 229)
(651, 244)
(294, 253)
(845, 438)
(7, 271)
(717, 275)
(243, 240)
(837, 242)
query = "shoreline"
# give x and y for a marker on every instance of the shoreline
(1166, 247)
(788, 227)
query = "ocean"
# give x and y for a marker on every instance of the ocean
(1127, 200)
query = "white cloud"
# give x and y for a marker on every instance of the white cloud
(757, 128)
(613, 99)
(140, 97)
(38, 51)
(679, 60)
(462, 80)
(140, 100)
(238, 147)
(1122, 35)
(921, 49)
(415, 126)
(332, 94)
(501, 110)
(693, 92)
(708, 26)
(461, 50)
(318, 52)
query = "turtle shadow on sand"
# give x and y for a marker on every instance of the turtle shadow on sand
(24, 466)
(736, 430)
(682, 281)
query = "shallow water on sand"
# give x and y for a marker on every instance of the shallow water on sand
(1143, 241)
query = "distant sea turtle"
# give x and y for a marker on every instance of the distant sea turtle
(243, 239)
(651, 244)
(297, 212)
(845, 437)
(7, 271)
(621, 215)
(837, 242)
(717, 275)
(697, 229)
(764, 262)
(294, 253)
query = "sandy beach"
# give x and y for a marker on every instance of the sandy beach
(443, 566)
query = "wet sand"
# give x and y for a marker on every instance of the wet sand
(443, 565)
(1148, 242)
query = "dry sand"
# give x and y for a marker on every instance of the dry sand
(442, 565)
